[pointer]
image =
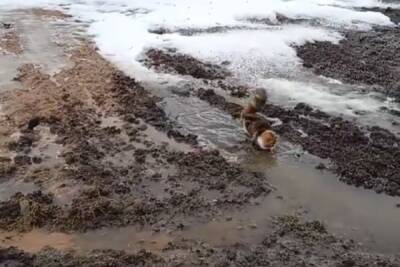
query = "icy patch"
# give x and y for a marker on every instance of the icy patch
(122, 28)
(321, 96)
(125, 36)
(258, 53)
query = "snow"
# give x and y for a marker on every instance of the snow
(259, 55)
(319, 95)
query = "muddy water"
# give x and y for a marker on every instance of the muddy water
(10, 187)
(365, 216)
(128, 239)
(361, 214)
(369, 218)
(47, 148)
(36, 240)
(44, 43)
(232, 229)
(213, 127)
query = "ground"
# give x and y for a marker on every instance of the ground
(105, 163)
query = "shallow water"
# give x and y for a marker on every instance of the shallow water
(10, 187)
(355, 212)
(364, 215)
(44, 44)
(36, 240)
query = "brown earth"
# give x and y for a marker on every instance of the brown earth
(171, 61)
(292, 242)
(369, 58)
(49, 13)
(113, 163)
(361, 156)
(103, 153)
(9, 39)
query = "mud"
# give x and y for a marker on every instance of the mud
(369, 58)
(100, 155)
(23, 212)
(291, 242)
(361, 156)
(10, 42)
(49, 13)
(212, 75)
(113, 163)
(172, 61)
(52, 257)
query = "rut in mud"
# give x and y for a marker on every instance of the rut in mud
(361, 156)
(101, 152)
(292, 242)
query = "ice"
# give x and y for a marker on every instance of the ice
(321, 96)
(259, 53)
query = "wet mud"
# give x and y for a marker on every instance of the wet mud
(291, 242)
(98, 155)
(49, 13)
(361, 156)
(172, 61)
(113, 163)
(369, 58)
(212, 75)
(10, 42)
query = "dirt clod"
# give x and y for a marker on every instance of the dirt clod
(166, 61)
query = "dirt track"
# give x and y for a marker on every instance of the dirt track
(100, 152)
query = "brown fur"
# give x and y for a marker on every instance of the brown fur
(269, 139)
(255, 125)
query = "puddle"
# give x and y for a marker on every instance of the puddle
(151, 134)
(219, 233)
(35, 240)
(213, 127)
(361, 214)
(358, 213)
(126, 238)
(130, 239)
(12, 186)
(65, 192)
(35, 35)
(245, 226)
(111, 121)
(160, 138)
(47, 149)
(364, 215)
